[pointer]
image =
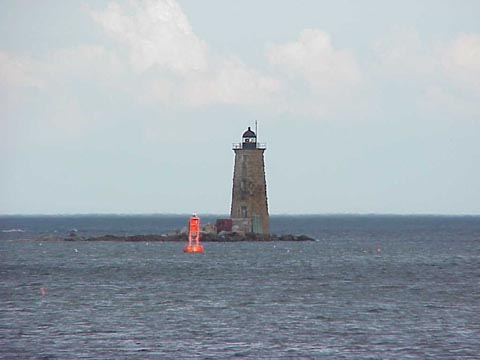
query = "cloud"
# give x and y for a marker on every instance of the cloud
(313, 59)
(19, 78)
(451, 102)
(156, 34)
(52, 89)
(319, 76)
(401, 52)
(173, 64)
(93, 62)
(457, 89)
(446, 75)
(17, 72)
(57, 66)
(461, 61)
(232, 82)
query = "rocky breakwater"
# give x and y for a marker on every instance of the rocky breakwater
(204, 237)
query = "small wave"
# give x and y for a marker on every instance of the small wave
(13, 230)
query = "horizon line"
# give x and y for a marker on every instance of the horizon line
(227, 216)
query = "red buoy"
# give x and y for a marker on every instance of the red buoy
(193, 245)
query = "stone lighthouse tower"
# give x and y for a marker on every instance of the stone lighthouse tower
(249, 209)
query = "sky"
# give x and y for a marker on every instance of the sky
(132, 106)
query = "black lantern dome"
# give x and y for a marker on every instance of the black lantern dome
(249, 139)
(249, 133)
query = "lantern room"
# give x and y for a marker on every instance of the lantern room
(249, 139)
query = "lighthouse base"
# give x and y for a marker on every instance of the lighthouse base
(193, 248)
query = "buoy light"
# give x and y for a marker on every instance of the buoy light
(193, 245)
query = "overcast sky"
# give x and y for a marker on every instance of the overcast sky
(133, 106)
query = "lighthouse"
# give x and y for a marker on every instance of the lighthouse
(249, 209)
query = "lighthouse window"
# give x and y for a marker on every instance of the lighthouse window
(243, 185)
(244, 211)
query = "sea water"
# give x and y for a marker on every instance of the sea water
(370, 287)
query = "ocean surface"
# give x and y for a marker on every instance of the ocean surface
(370, 287)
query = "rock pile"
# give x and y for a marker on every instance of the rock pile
(205, 237)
